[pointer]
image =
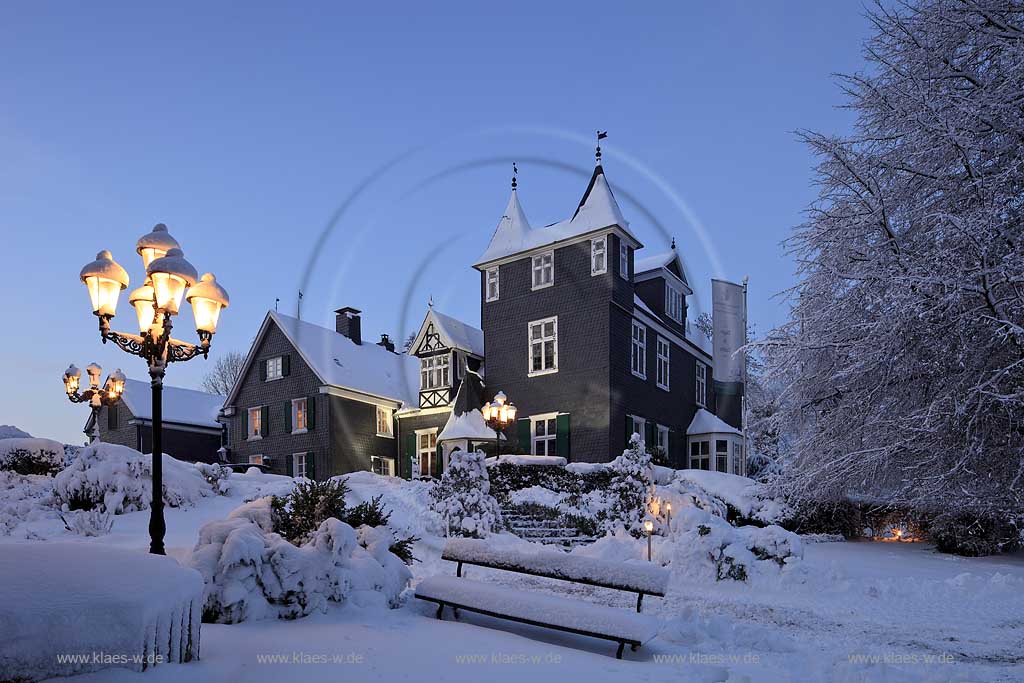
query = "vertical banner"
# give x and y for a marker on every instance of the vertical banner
(729, 331)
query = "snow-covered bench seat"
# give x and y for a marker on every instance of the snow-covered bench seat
(536, 609)
(73, 607)
(642, 578)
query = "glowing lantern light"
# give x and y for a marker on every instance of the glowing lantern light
(105, 279)
(207, 298)
(171, 275)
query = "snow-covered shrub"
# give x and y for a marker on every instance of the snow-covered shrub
(708, 548)
(973, 535)
(407, 502)
(31, 456)
(119, 479)
(463, 497)
(216, 475)
(746, 501)
(94, 522)
(253, 573)
(23, 498)
(630, 488)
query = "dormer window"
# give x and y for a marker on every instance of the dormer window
(673, 303)
(544, 270)
(435, 372)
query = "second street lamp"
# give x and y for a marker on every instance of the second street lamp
(498, 415)
(97, 396)
(168, 276)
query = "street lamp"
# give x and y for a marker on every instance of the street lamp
(649, 528)
(499, 414)
(97, 396)
(169, 278)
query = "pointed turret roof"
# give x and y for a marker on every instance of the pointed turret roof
(598, 208)
(510, 235)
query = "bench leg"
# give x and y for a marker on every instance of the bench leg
(618, 653)
(455, 612)
(639, 601)
(440, 610)
(634, 647)
(458, 571)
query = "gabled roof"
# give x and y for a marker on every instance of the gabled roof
(668, 260)
(180, 406)
(705, 422)
(597, 210)
(338, 362)
(454, 333)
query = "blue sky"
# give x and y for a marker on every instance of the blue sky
(245, 127)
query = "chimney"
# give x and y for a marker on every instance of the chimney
(347, 322)
(386, 342)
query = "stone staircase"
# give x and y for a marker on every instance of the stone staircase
(542, 530)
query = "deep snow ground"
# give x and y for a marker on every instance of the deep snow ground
(884, 603)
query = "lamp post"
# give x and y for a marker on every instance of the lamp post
(96, 395)
(499, 414)
(649, 528)
(168, 275)
(668, 513)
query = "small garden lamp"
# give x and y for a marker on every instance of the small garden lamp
(649, 528)
(668, 514)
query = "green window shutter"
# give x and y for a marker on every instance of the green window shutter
(112, 416)
(286, 365)
(287, 417)
(650, 438)
(410, 449)
(438, 462)
(311, 465)
(310, 412)
(264, 420)
(523, 434)
(289, 465)
(562, 434)
(629, 428)
(263, 370)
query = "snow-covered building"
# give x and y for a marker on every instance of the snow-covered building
(191, 430)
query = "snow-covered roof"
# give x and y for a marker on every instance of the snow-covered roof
(598, 209)
(340, 362)
(455, 333)
(705, 422)
(469, 425)
(180, 406)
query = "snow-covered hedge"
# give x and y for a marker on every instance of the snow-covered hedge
(31, 456)
(119, 479)
(463, 497)
(738, 499)
(23, 499)
(708, 548)
(251, 572)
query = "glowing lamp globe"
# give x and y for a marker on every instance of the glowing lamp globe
(155, 244)
(105, 279)
(144, 301)
(171, 275)
(500, 398)
(72, 376)
(115, 383)
(648, 526)
(511, 410)
(207, 299)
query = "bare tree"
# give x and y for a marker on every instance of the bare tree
(903, 363)
(225, 372)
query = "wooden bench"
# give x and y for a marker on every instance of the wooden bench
(573, 616)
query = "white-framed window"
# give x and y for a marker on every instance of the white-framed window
(256, 459)
(664, 363)
(385, 424)
(544, 270)
(639, 350)
(435, 372)
(275, 368)
(673, 303)
(300, 416)
(492, 284)
(623, 260)
(639, 427)
(426, 452)
(739, 464)
(382, 466)
(663, 439)
(599, 255)
(700, 455)
(543, 337)
(299, 465)
(721, 455)
(544, 433)
(255, 428)
(702, 384)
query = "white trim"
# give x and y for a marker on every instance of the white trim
(669, 290)
(700, 388)
(665, 273)
(667, 385)
(389, 461)
(558, 244)
(603, 241)
(295, 415)
(252, 459)
(390, 434)
(534, 269)
(487, 284)
(432, 456)
(530, 372)
(643, 427)
(416, 412)
(249, 436)
(681, 342)
(359, 396)
(624, 252)
(662, 429)
(279, 364)
(534, 419)
(642, 356)
(295, 464)
(176, 426)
